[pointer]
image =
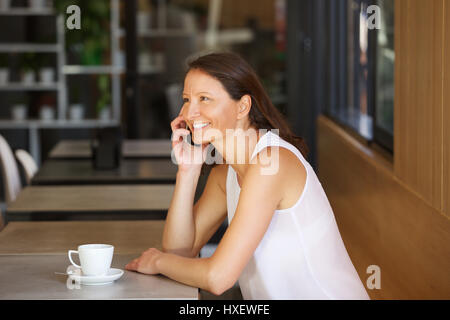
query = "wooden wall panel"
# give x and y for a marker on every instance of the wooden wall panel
(382, 221)
(418, 97)
(446, 110)
(235, 13)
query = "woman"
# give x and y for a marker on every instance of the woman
(282, 241)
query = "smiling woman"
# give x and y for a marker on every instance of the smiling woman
(282, 241)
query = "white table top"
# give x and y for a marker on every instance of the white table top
(24, 277)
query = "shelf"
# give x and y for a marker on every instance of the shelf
(29, 87)
(230, 36)
(29, 47)
(55, 124)
(165, 33)
(74, 69)
(27, 12)
(150, 70)
(62, 70)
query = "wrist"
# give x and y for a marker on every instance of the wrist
(159, 261)
(189, 174)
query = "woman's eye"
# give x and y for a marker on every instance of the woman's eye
(202, 98)
(185, 100)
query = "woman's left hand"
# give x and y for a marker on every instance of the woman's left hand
(146, 263)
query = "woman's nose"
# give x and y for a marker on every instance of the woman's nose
(191, 111)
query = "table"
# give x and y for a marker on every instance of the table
(33, 277)
(31, 253)
(81, 149)
(130, 171)
(56, 237)
(126, 202)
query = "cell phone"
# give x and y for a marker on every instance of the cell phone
(189, 137)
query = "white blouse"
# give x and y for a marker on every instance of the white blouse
(302, 255)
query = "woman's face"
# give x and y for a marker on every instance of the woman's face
(207, 107)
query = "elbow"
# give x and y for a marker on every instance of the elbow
(218, 289)
(219, 281)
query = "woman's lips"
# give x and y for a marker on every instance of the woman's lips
(203, 126)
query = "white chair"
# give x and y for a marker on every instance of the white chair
(11, 176)
(28, 164)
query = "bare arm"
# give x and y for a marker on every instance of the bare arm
(179, 228)
(259, 198)
(189, 227)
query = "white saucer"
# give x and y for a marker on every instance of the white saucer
(113, 274)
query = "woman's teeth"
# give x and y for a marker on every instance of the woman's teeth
(200, 125)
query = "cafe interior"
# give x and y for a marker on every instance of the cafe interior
(88, 90)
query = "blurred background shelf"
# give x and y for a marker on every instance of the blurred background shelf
(55, 124)
(29, 47)
(165, 33)
(59, 63)
(29, 87)
(27, 12)
(74, 69)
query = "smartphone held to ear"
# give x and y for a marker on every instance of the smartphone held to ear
(189, 137)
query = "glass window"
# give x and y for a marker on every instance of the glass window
(384, 71)
(362, 62)
(356, 112)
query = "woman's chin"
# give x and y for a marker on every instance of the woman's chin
(198, 140)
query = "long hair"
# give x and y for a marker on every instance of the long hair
(239, 79)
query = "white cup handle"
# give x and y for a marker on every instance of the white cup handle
(70, 257)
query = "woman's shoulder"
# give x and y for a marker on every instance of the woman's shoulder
(282, 160)
(286, 172)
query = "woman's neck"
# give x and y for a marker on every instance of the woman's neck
(238, 149)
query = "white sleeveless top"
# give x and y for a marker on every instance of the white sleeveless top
(302, 255)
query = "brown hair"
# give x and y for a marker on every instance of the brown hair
(239, 79)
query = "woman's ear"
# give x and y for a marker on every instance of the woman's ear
(244, 106)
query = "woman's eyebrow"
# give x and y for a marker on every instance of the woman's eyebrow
(202, 92)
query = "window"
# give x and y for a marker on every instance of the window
(384, 75)
(361, 62)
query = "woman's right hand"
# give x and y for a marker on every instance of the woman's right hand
(188, 157)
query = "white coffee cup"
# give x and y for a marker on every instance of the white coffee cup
(95, 259)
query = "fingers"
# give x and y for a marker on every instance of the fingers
(132, 266)
(178, 135)
(179, 130)
(177, 123)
